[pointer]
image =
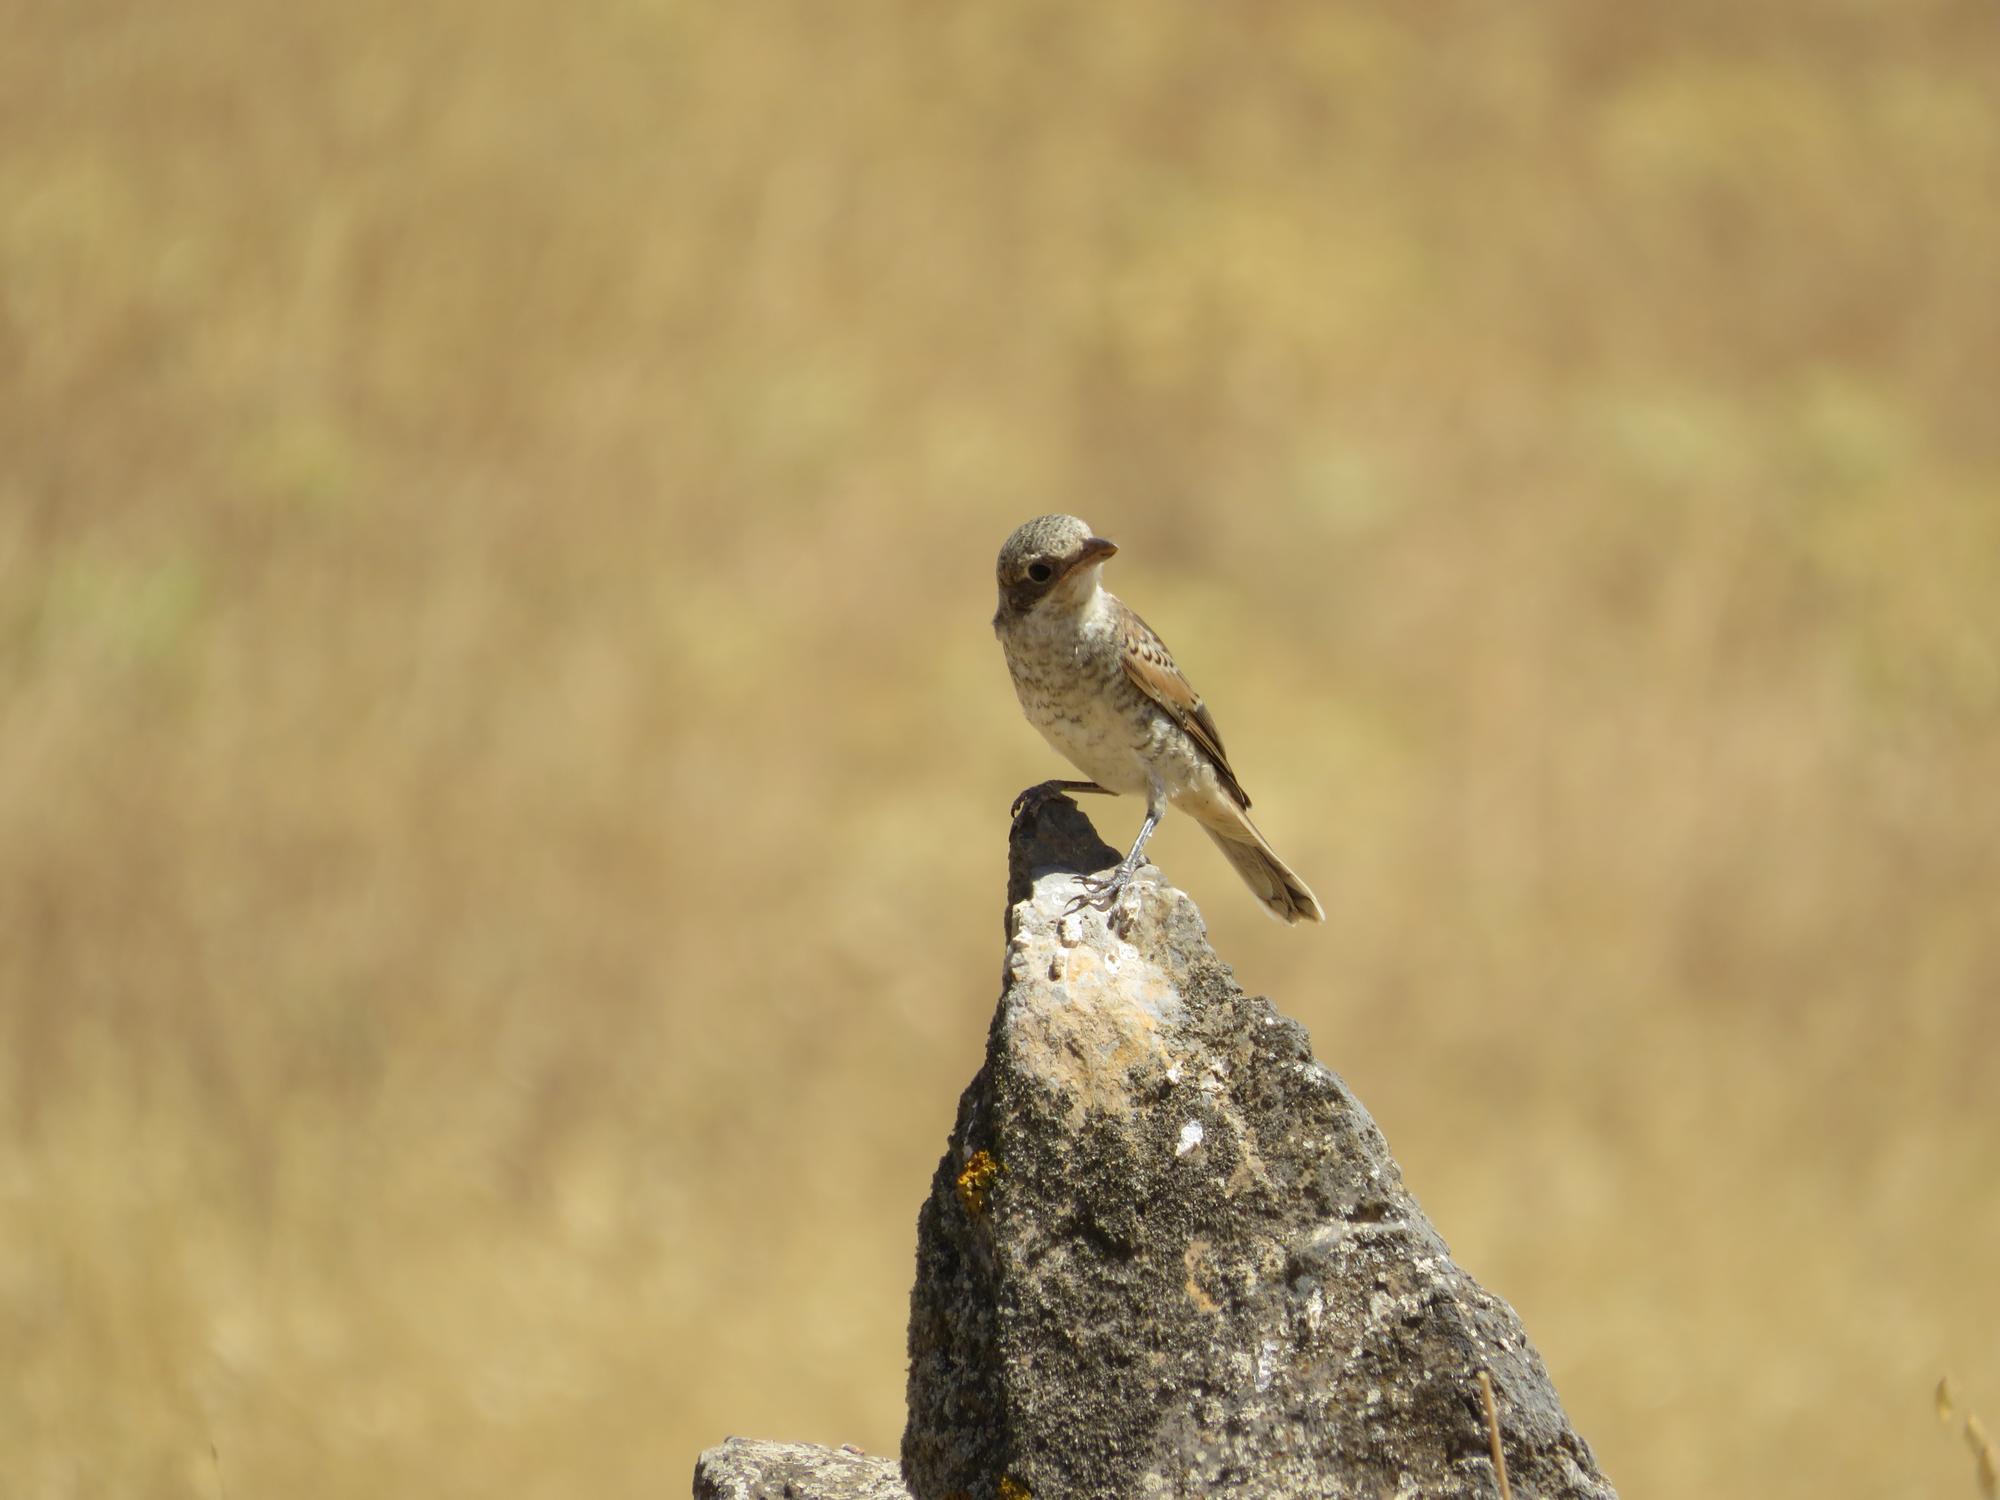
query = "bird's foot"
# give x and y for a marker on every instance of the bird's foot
(1101, 893)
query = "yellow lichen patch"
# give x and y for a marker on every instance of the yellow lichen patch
(975, 1181)
(1012, 1489)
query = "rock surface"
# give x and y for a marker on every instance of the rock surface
(745, 1470)
(1168, 1253)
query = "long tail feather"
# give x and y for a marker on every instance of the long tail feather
(1270, 879)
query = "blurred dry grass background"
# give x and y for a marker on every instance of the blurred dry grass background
(503, 767)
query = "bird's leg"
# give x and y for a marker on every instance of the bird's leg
(1102, 895)
(1045, 791)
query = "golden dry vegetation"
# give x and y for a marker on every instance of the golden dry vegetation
(503, 767)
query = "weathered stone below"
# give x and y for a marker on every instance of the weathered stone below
(742, 1469)
(1168, 1253)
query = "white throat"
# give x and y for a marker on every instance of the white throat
(1081, 594)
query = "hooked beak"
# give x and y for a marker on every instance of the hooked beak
(1094, 550)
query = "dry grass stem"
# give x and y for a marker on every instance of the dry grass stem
(1493, 1433)
(1984, 1464)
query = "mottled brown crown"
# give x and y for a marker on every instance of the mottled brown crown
(1055, 542)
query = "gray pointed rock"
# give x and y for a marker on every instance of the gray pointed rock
(1168, 1253)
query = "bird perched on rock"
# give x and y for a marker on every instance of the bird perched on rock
(1103, 689)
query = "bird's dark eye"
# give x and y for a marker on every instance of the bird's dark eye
(1041, 572)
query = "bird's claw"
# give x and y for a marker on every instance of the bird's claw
(1099, 893)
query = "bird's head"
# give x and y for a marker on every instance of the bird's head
(1053, 559)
